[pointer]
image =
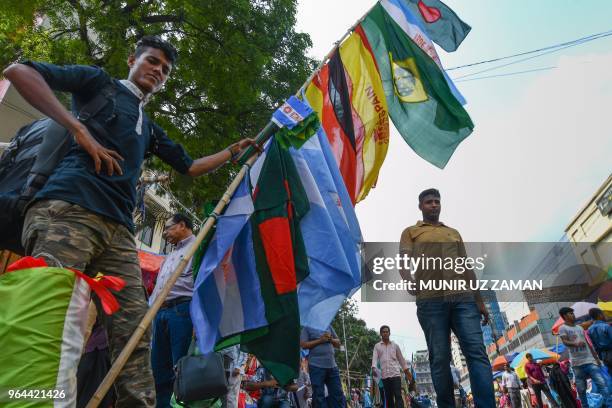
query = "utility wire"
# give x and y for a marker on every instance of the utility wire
(576, 41)
(525, 59)
(507, 74)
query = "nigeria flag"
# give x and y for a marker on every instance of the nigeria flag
(421, 103)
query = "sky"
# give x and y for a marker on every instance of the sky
(542, 142)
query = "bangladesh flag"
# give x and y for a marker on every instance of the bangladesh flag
(420, 101)
(246, 290)
(440, 22)
(279, 202)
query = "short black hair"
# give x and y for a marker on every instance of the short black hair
(430, 191)
(565, 310)
(178, 217)
(152, 41)
(528, 355)
(384, 326)
(595, 312)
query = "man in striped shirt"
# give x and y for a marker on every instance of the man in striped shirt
(388, 363)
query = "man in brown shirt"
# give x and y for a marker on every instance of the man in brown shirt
(439, 311)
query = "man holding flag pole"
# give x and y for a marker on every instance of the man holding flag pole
(402, 74)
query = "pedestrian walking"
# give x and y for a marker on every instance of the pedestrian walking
(172, 326)
(439, 311)
(511, 385)
(600, 333)
(537, 380)
(525, 396)
(322, 366)
(584, 359)
(388, 356)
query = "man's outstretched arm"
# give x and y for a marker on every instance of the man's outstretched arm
(210, 163)
(34, 89)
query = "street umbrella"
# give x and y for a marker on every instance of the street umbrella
(500, 361)
(581, 309)
(581, 312)
(546, 357)
(602, 291)
(606, 307)
(559, 348)
(497, 374)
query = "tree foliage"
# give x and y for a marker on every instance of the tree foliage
(238, 59)
(360, 341)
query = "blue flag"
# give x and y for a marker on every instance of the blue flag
(331, 235)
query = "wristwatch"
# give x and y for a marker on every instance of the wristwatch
(234, 154)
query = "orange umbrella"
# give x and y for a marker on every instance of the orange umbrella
(499, 363)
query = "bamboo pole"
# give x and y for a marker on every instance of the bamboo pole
(266, 131)
(249, 157)
(119, 363)
(348, 373)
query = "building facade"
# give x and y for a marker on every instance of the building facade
(590, 231)
(424, 382)
(521, 335)
(498, 321)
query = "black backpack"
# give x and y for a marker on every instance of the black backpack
(29, 160)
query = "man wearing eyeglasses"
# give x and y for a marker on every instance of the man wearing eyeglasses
(172, 327)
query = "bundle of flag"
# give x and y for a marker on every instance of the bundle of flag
(285, 253)
(42, 326)
(388, 67)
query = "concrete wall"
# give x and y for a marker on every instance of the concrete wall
(589, 225)
(14, 111)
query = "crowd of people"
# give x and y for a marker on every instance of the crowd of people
(563, 382)
(83, 219)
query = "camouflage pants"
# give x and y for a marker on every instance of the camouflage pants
(74, 237)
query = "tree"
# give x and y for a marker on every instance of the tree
(238, 59)
(360, 341)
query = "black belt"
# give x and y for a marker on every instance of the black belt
(175, 302)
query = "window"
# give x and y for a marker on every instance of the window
(146, 234)
(605, 202)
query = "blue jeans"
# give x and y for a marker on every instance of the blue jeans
(172, 332)
(269, 401)
(319, 378)
(437, 319)
(592, 371)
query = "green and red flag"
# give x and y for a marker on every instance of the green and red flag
(388, 67)
(440, 23)
(247, 295)
(421, 103)
(279, 202)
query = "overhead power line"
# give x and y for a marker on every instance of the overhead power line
(555, 47)
(573, 44)
(507, 74)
